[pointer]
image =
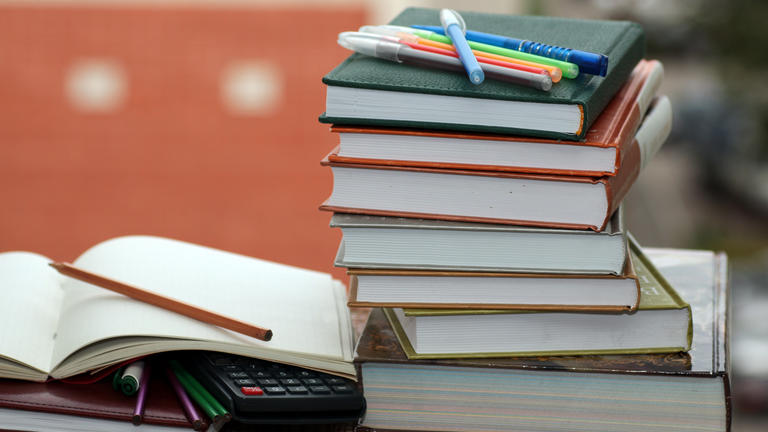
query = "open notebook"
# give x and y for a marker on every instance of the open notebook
(51, 325)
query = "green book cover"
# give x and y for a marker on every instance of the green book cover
(655, 293)
(621, 41)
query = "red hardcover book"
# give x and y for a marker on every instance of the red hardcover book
(601, 153)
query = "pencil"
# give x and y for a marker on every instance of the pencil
(189, 408)
(163, 302)
(141, 398)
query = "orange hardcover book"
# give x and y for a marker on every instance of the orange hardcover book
(541, 200)
(601, 153)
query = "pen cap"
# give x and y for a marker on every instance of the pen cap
(449, 17)
(389, 30)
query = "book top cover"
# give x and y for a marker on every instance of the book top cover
(621, 41)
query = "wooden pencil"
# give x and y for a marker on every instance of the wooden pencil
(163, 302)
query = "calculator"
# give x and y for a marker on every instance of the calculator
(262, 392)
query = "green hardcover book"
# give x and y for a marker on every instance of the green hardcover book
(370, 91)
(661, 323)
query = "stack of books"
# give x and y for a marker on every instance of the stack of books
(483, 225)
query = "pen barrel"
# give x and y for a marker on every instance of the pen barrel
(468, 59)
(589, 63)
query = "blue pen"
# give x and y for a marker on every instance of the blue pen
(454, 27)
(590, 63)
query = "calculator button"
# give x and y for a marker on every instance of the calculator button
(222, 361)
(312, 381)
(230, 368)
(319, 389)
(306, 374)
(274, 390)
(290, 382)
(268, 382)
(235, 375)
(334, 381)
(252, 391)
(245, 382)
(283, 374)
(260, 374)
(342, 388)
(300, 389)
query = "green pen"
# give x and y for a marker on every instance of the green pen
(189, 382)
(570, 70)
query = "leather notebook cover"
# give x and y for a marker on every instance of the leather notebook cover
(615, 127)
(94, 400)
(622, 41)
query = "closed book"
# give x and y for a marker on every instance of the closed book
(598, 393)
(495, 196)
(661, 323)
(601, 152)
(502, 291)
(370, 91)
(382, 242)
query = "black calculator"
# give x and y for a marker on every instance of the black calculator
(262, 392)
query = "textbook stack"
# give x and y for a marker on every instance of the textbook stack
(483, 224)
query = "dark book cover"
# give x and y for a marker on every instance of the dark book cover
(622, 41)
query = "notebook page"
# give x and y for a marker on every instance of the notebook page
(298, 305)
(29, 309)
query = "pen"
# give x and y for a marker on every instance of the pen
(166, 303)
(453, 25)
(189, 408)
(141, 398)
(210, 405)
(589, 63)
(130, 382)
(569, 70)
(418, 42)
(401, 53)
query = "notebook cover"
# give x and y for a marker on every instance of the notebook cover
(615, 127)
(94, 400)
(628, 273)
(622, 41)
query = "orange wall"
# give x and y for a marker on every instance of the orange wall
(171, 160)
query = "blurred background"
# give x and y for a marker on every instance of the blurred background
(197, 120)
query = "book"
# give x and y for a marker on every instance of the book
(661, 323)
(600, 393)
(51, 325)
(503, 291)
(368, 91)
(97, 407)
(493, 196)
(382, 242)
(600, 153)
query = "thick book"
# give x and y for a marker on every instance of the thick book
(370, 91)
(496, 196)
(601, 153)
(502, 291)
(601, 393)
(661, 323)
(382, 242)
(52, 325)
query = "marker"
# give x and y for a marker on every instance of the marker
(453, 25)
(131, 380)
(589, 63)
(401, 53)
